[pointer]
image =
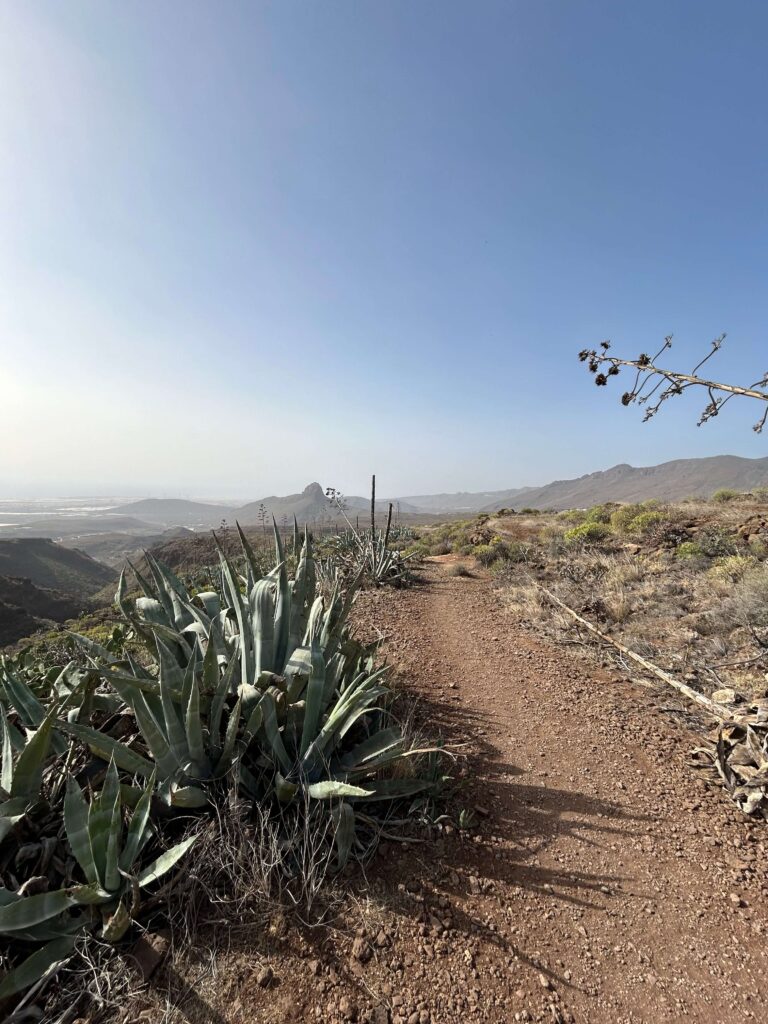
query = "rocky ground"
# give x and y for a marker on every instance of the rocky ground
(605, 879)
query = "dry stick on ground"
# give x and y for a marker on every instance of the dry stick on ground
(717, 710)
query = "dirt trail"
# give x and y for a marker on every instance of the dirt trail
(614, 874)
(606, 882)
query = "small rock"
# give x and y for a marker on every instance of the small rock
(149, 952)
(265, 977)
(544, 981)
(381, 1014)
(361, 950)
(347, 1008)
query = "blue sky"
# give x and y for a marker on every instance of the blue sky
(247, 245)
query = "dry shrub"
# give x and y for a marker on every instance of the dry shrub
(459, 569)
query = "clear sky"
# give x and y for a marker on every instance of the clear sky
(245, 245)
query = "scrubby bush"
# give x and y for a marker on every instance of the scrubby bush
(748, 603)
(645, 523)
(573, 515)
(733, 567)
(486, 554)
(599, 514)
(458, 569)
(587, 533)
(725, 494)
(623, 516)
(689, 549)
(716, 542)
(760, 494)
(530, 512)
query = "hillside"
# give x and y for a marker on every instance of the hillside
(52, 566)
(465, 501)
(670, 481)
(25, 608)
(175, 512)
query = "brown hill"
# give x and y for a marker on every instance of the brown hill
(670, 481)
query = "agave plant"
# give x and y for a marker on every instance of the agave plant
(109, 855)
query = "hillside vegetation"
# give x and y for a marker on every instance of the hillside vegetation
(51, 565)
(685, 584)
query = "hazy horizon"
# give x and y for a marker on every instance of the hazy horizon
(240, 240)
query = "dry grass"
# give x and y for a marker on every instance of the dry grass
(685, 585)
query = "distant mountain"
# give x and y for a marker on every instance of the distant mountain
(670, 481)
(174, 512)
(463, 501)
(54, 567)
(312, 504)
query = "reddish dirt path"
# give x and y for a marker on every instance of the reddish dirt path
(607, 882)
(613, 871)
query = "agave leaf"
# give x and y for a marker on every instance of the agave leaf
(156, 740)
(116, 924)
(314, 698)
(114, 837)
(101, 817)
(188, 797)
(30, 710)
(25, 911)
(76, 826)
(194, 730)
(393, 789)
(343, 817)
(382, 742)
(263, 612)
(272, 731)
(210, 601)
(11, 812)
(284, 791)
(6, 774)
(137, 827)
(282, 605)
(165, 862)
(225, 761)
(36, 966)
(105, 747)
(218, 702)
(28, 770)
(171, 676)
(248, 553)
(236, 598)
(328, 788)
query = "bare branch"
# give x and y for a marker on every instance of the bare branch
(652, 380)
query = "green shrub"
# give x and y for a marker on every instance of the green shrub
(624, 515)
(761, 494)
(486, 554)
(645, 523)
(530, 512)
(587, 533)
(725, 494)
(599, 514)
(573, 515)
(689, 549)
